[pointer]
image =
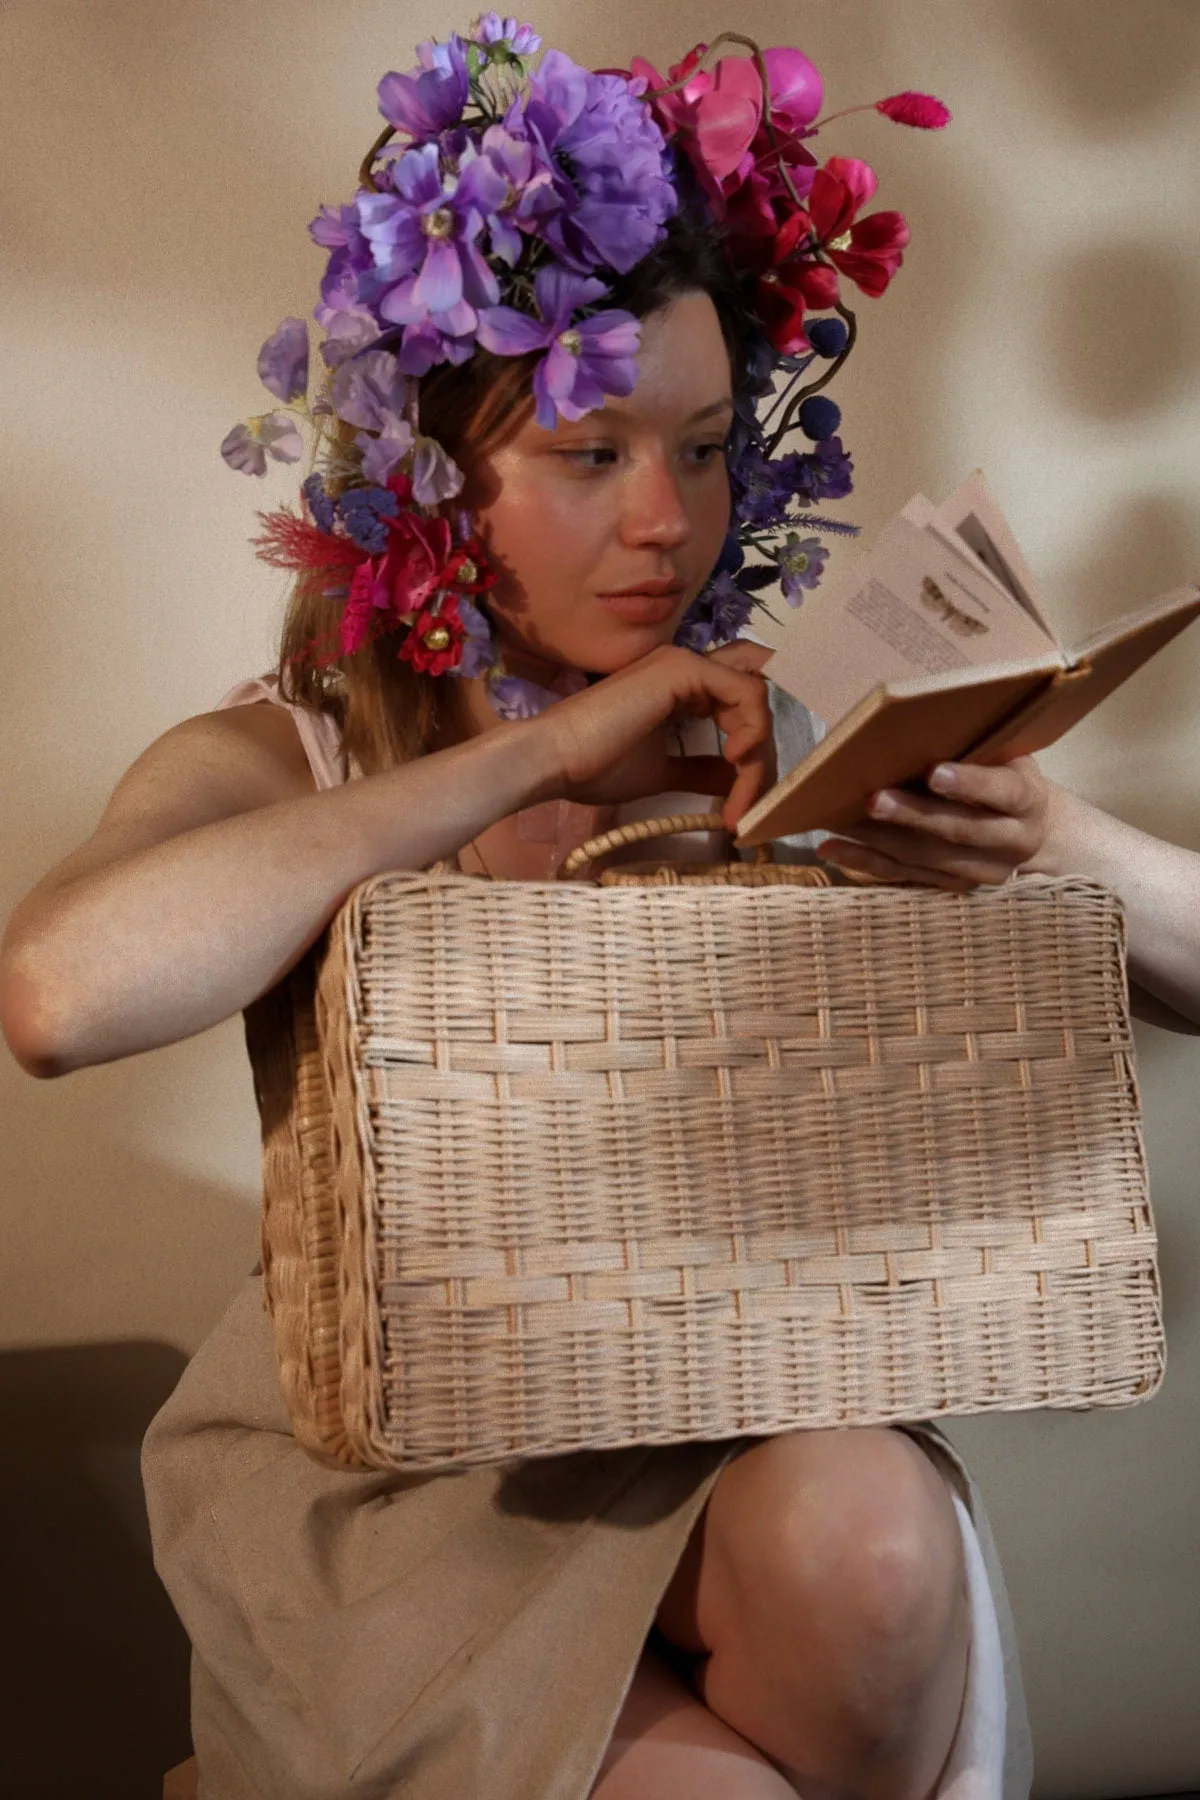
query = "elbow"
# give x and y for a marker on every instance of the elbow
(30, 1020)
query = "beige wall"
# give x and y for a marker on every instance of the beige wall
(161, 160)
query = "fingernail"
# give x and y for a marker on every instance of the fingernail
(883, 806)
(944, 779)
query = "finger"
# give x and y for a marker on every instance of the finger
(754, 774)
(920, 850)
(743, 654)
(862, 860)
(1013, 838)
(1014, 788)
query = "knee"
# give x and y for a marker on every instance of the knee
(852, 1533)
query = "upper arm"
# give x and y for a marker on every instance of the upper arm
(209, 767)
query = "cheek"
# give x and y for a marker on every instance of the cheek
(543, 540)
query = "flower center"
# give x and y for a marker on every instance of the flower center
(840, 243)
(571, 341)
(797, 561)
(436, 638)
(439, 224)
(467, 571)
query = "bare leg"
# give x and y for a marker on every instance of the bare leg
(825, 1587)
(668, 1746)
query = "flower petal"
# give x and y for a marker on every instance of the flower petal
(283, 360)
(507, 332)
(440, 283)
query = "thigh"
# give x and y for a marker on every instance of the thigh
(667, 1743)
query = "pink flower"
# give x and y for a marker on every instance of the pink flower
(868, 250)
(718, 112)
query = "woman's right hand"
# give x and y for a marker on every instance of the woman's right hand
(612, 743)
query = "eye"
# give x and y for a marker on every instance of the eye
(708, 453)
(581, 456)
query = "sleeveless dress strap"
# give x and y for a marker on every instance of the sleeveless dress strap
(319, 732)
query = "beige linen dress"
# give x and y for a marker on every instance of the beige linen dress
(468, 1636)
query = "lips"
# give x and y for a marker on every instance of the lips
(643, 608)
(649, 604)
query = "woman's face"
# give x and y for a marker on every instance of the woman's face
(631, 497)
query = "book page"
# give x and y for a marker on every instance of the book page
(914, 606)
(974, 516)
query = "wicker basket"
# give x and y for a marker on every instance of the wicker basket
(580, 1164)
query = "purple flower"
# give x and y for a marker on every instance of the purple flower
(764, 487)
(585, 361)
(349, 326)
(427, 268)
(371, 390)
(248, 445)
(521, 40)
(515, 698)
(526, 175)
(283, 361)
(478, 651)
(826, 472)
(363, 512)
(320, 505)
(432, 97)
(612, 188)
(435, 476)
(801, 565)
(716, 616)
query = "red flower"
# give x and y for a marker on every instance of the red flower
(467, 569)
(868, 250)
(435, 642)
(792, 285)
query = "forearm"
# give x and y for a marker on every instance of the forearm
(1158, 883)
(175, 937)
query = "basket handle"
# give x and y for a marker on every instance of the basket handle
(639, 830)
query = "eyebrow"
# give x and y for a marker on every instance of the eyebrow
(706, 412)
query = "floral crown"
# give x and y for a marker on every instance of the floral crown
(495, 209)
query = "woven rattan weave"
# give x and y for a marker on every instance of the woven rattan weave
(554, 1165)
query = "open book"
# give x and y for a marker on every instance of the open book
(935, 647)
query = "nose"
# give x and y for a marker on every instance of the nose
(653, 510)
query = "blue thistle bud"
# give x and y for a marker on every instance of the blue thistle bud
(819, 418)
(828, 336)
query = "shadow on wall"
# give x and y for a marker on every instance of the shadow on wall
(1104, 63)
(1116, 333)
(95, 1695)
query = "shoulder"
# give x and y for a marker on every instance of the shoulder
(212, 766)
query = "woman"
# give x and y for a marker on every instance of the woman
(818, 1613)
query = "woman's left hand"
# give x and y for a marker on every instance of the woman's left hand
(974, 828)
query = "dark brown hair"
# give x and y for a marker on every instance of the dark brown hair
(387, 711)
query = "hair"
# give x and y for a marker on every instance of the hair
(389, 712)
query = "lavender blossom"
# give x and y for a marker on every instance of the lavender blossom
(801, 565)
(585, 361)
(432, 97)
(247, 447)
(283, 361)
(526, 174)
(371, 390)
(349, 325)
